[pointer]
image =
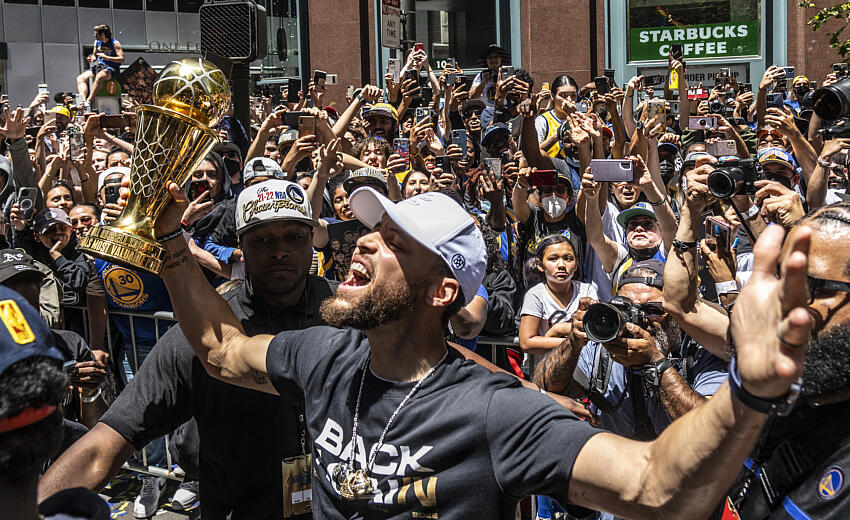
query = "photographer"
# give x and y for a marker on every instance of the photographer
(640, 396)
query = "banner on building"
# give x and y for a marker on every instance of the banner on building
(715, 40)
(391, 23)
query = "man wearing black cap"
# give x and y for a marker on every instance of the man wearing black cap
(32, 388)
(57, 248)
(640, 395)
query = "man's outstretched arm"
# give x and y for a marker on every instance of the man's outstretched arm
(208, 323)
(91, 462)
(685, 471)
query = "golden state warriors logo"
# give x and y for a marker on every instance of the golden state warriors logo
(125, 287)
(831, 483)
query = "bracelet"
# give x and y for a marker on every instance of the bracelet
(359, 98)
(170, 236)
(726, 287)
(661, 202)
(683, 246)
(824, 164)
(93, 398)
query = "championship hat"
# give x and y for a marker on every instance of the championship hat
(272, 200)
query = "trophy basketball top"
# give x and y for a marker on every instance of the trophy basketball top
(195, 88)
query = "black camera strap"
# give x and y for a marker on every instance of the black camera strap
(643, 429)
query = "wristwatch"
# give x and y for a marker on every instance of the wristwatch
(780, 406)
(824, 164)
(652, 373)
(683, 246)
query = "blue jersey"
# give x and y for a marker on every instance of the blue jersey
(107, 48)
(131, 290)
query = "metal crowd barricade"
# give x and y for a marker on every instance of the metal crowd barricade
(157, 317)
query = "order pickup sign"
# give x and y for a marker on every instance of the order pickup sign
(698, 41)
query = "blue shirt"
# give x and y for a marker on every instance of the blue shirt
(131, 290)
(472, 344)
(709, 373)
(107, 48)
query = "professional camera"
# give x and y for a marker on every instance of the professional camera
(841, 70)
(837, 130)
(833, 101)
(734, 177)
(604, 322)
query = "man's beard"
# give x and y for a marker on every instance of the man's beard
(668, 337)
(378, 305)
(827, 368)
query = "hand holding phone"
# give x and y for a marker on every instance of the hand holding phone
(612, 170)
(198, 188)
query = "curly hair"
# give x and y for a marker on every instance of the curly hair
(364, 144)
(35, 381)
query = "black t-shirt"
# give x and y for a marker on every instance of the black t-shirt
(536, 228)
(244, 434)
(468, 444)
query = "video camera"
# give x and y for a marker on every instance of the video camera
(605, 322)
(734, 177)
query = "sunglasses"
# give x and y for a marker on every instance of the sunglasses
(469, 113)
(644, 223)
(820, 285)
(553, 189)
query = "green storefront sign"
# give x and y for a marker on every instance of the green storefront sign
(714, 40)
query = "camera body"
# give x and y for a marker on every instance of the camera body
(605, 322)
(836, 130)
(735, 177)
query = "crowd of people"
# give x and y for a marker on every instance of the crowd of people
(663, 256)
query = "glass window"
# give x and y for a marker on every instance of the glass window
(160, 5)
(189, 6)
(283, 59)
(462, 32)
(100, 4)
(30, 2)
(130, 5)
(708, 29)
(62, 3)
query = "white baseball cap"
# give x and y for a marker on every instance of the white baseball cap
(272, 200)
(123, 170)
(261, 167)
(438, 223)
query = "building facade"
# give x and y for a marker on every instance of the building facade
(47, 40)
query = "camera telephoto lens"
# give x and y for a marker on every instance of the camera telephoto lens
(603, 322)
(725, 182)
(833, 101)
(703, 122)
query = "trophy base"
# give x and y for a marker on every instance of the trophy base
(122, 247)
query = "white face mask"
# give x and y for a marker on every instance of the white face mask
(554, 206)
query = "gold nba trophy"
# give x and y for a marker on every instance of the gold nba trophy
(172, 137)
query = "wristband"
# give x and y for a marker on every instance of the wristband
(683, 246)
(93, 398)
(752, 212)
(359, 98)
(661, 202)
(780, 406)
(726, 287)
(170, 236)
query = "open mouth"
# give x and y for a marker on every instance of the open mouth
(358, 277)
